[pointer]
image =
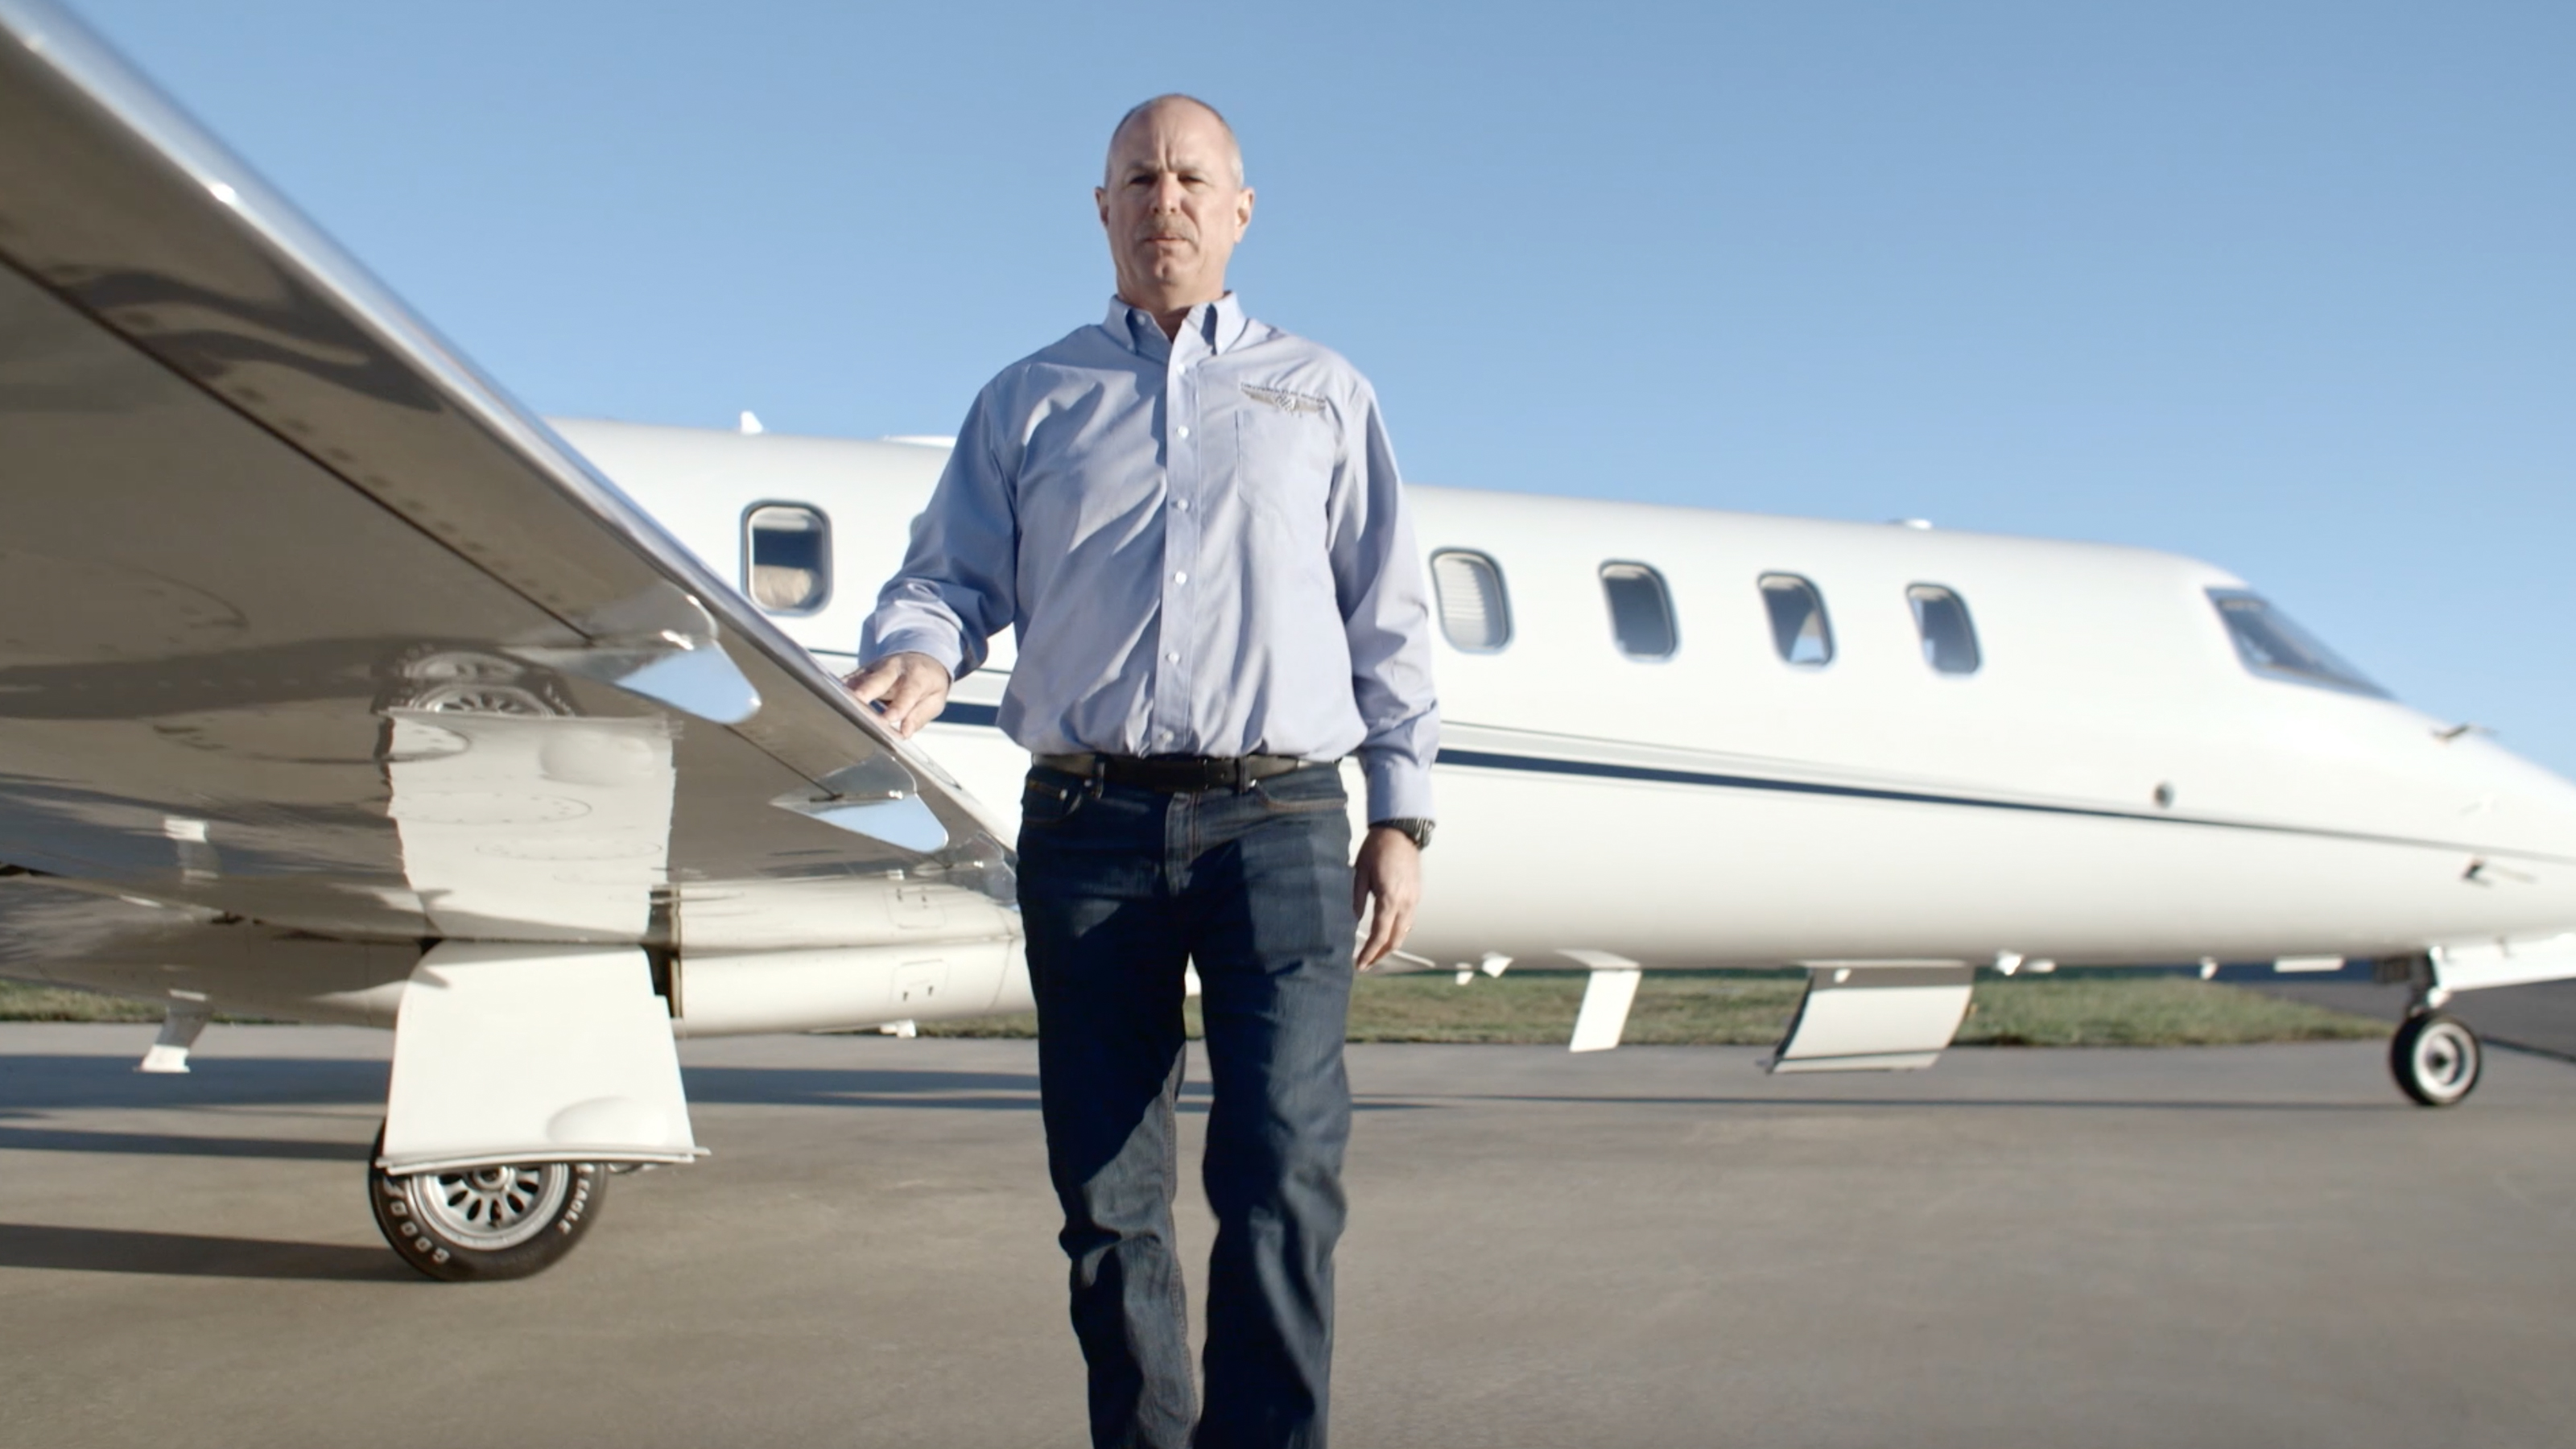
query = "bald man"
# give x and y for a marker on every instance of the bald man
(1192, 520)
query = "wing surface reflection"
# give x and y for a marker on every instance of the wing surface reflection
(532, 828)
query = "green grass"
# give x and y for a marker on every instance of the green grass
(20, 1001)
(1678, 1008)
(25, 1001)
(2085, 1009)
(1728, 1008)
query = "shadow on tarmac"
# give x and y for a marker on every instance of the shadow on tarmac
(190, 1255)
(40, 1083)
(861, 1087)
(34, 1084)
(955, 1091)
(1878, 1104)
(154, 1144)
(44, 1083)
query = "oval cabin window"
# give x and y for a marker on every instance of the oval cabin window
(1641, 611)
(1799, 628)
(1949, 636)
(1474, 612)
(787, 557)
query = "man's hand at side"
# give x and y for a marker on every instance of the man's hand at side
(909, 691)
(1387, 884)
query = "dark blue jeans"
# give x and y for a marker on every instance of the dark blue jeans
(1121, 887)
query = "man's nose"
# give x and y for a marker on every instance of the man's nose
(1168, 193)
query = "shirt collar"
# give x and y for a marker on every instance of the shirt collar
(1211, 328)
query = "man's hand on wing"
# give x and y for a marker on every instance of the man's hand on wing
(908, 691)
(1386, 885)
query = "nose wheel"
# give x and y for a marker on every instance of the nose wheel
(2435, 1059)
(484, 1223)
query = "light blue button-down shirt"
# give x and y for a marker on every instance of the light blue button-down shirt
(1202, 544)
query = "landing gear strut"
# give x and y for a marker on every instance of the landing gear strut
(2435, 1058)
(479, 1224)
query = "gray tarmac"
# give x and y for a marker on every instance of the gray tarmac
(2257, 1246)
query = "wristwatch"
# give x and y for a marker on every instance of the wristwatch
(1411, 827)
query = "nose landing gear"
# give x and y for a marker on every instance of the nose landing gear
(2435, 1058)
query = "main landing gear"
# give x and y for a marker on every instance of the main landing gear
(480, 1224)
(2435, 1058)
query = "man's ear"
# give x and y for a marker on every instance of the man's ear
(1242, 213)
(1100, 199)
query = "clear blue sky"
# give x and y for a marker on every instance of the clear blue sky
(2287, 286)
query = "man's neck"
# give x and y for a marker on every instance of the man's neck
(1168, 312)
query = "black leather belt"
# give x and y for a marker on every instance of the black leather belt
(1173, 774)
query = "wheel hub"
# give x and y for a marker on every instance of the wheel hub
(490, 1208)
(2441, 1058)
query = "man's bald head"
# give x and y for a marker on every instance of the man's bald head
(1173, 204)
(1142, 110)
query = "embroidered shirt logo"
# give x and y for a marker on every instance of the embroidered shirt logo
(1283, 399)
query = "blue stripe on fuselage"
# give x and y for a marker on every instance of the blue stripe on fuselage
(985, 715)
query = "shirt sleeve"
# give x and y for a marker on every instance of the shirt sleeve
(958, 586)
(1386, 618)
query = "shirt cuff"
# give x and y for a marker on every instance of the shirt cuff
(939, 644)
(1398, 788)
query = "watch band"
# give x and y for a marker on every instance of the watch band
(1411, 827)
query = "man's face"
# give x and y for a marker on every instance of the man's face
(1173, 206)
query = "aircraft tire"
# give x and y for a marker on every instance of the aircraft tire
(2436, 1059)
(485, 1225)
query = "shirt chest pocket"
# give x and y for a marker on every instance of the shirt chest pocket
(1284, 467)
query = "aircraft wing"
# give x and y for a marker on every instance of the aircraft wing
(304, 622)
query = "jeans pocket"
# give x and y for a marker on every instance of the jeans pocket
(1303, 792)
(1048, 802)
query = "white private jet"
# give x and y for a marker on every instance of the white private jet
(334, 686)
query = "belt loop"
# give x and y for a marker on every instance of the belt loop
(1242, 773)
(1099, 774)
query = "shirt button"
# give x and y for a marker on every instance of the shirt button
(1182, 504)
(1173, 657)
(1185, 432)
(1180, 578)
